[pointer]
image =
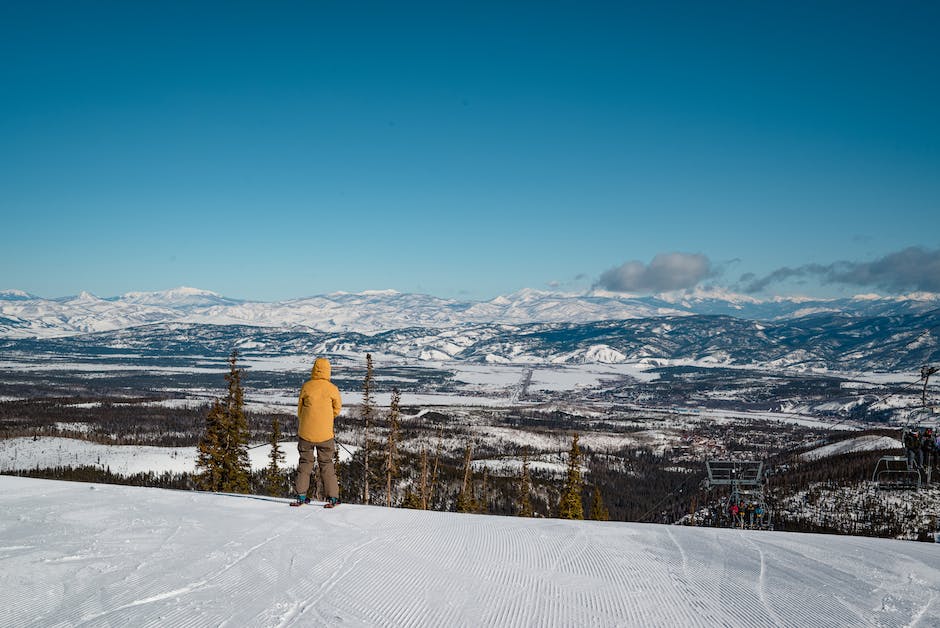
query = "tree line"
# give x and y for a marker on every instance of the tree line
(380, 472)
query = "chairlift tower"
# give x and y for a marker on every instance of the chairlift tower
(925, 373)
(745, 480)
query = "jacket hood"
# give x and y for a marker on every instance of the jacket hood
(321, 369)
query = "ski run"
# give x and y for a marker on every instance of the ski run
(74, 554)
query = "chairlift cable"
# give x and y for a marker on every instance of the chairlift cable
(665, 498)
(881, 399)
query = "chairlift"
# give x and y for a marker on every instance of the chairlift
(896, 472)
(903, 472)
(745, 505)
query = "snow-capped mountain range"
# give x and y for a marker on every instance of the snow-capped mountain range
(23, 315)
(860, 334)
(825, 341)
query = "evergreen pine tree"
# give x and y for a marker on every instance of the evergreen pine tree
(391, 453)
(368, 413)
(424, 479)
(465, 500)
(437, 459)
(315, 489)
(599, 511)
(336, 466)
(570, 506)
(237, 470)
(411, 500)
(209, 459)
(223, 449)
(525, 487)
(276, 459)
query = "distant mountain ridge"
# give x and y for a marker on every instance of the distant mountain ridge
(826, 341)
(23, 315)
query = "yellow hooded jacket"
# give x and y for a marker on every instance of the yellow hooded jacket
(318, 405)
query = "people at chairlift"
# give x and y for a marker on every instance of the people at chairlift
(912, 443)
(928, 448)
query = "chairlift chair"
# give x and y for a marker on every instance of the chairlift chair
(896, 472)
(745, 479)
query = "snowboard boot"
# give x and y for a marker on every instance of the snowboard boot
(331, 502)
(300, 501)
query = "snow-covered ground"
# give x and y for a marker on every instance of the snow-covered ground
(869, 442)
(49, 451)
(75, 554)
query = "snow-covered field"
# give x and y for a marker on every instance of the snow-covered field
(75, 554)
(476, 385)
(48, 451)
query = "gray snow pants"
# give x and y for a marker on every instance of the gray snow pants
(325, 452)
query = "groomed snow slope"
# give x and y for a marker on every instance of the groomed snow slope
(76, 554)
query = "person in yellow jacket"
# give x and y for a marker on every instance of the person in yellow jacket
(319, 404)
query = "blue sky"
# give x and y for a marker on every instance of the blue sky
(277, 150)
